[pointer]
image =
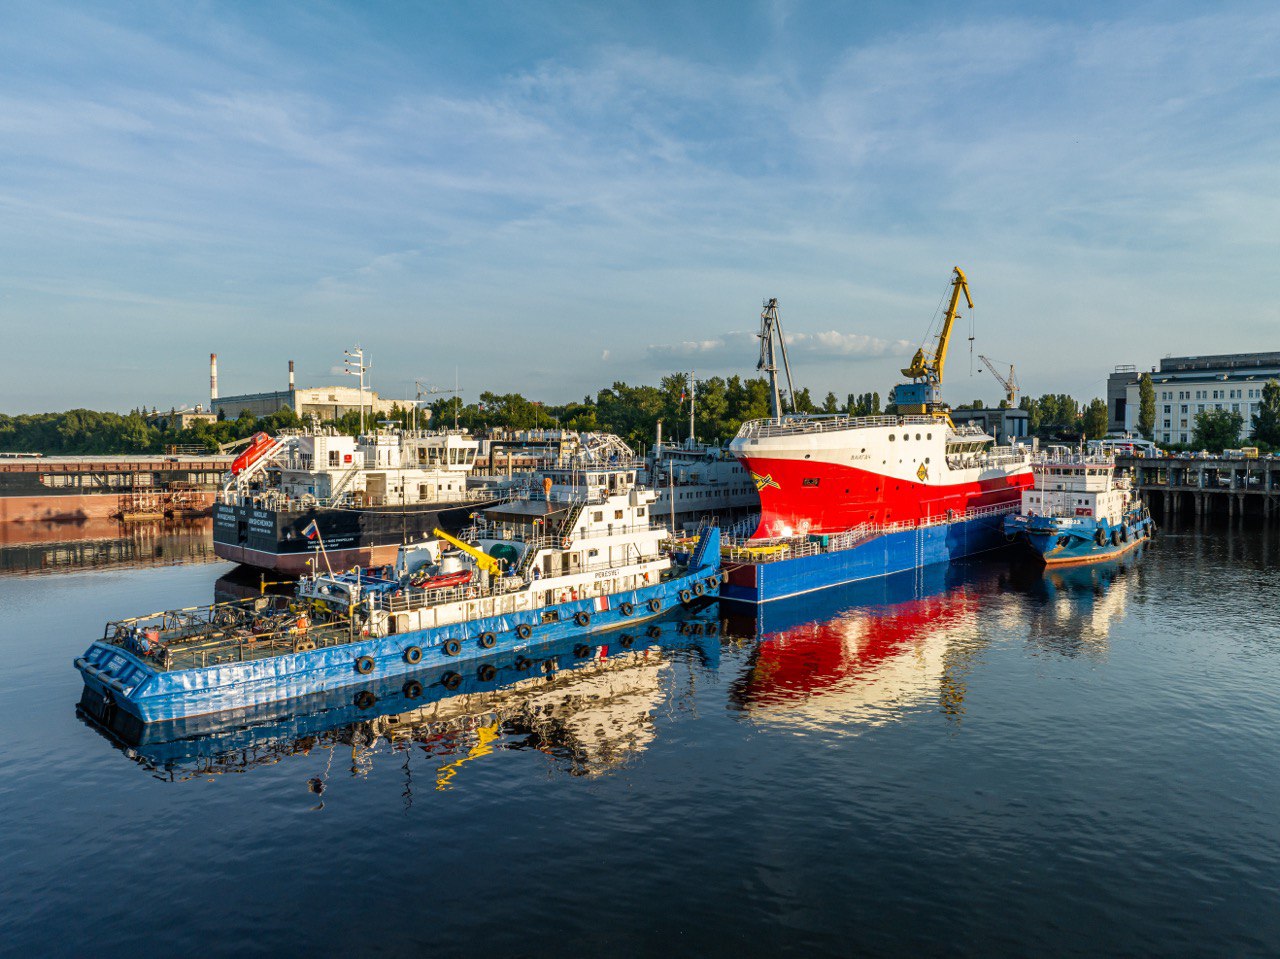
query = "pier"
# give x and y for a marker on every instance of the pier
(1203, 485)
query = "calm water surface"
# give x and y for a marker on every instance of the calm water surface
(977, 761)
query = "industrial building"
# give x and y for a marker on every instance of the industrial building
(322, 402)
(1006, 425)
(1187, 385)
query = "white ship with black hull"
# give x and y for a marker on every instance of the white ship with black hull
(356, 498)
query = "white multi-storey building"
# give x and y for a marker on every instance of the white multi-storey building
(1187, 385)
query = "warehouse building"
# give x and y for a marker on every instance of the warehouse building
(322, 402)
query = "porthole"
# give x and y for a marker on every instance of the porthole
(917, 436)
(906, 436)
(892, 437)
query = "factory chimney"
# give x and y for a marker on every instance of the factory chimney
(291, 376)
(213, 378)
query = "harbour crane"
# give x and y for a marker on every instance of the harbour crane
(924, 394)
(928, 367)
(1010, 382)
(771, 327)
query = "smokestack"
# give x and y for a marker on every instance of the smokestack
(291, 375)
(213, 378)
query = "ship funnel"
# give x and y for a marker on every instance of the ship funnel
(213, 378)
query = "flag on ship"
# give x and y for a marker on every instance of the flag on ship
(602, 604)
(311, 531)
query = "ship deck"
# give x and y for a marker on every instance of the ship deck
(235, 632)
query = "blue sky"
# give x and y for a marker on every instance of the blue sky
(550, 197)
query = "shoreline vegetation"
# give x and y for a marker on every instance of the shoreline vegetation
(631, 412)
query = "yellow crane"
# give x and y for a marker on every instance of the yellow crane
(924, 394)
(483, 559)
(929, 367)
(1010, 382)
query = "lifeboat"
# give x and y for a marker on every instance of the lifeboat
(445, 580)
(257, 447)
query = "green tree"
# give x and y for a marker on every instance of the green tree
(1095, 419)
(1266, 422)
(1146, 406)
(1217, 429)
(831, 404)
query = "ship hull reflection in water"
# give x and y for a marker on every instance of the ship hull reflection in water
(103, 544)
(872, 652)
(587, 707)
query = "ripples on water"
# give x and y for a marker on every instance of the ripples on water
(978, 760)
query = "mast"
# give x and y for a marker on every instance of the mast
(770, 323)
(691, 402)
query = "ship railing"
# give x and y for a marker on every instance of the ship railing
(234, 632)
(775, 549)
(825, 423)
(414, 598)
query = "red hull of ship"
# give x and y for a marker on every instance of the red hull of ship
(799, 496)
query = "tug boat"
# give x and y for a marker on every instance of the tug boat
(578, 556)
(1079, 510)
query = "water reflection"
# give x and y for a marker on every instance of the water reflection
(588, 711)
(27, 548)
(867, 653)
(1073, 609)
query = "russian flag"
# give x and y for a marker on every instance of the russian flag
(602, 603)
(311, 531)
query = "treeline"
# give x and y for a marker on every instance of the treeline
(632, 412)
(80, 432)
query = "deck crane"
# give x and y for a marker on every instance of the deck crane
(1010, 382)
(924, 394)
(486, 562)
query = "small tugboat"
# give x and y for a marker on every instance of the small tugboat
(1079, 510)
(578, 556)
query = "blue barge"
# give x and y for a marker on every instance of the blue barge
(578, 557)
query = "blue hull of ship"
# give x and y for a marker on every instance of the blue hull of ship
(882, 555)
(135, 686)
(190, 740)
(1063, 542)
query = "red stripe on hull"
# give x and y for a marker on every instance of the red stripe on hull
(805, 496)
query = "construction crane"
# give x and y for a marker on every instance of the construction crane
(924, 394)
(1010, 382)
(486, 562)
